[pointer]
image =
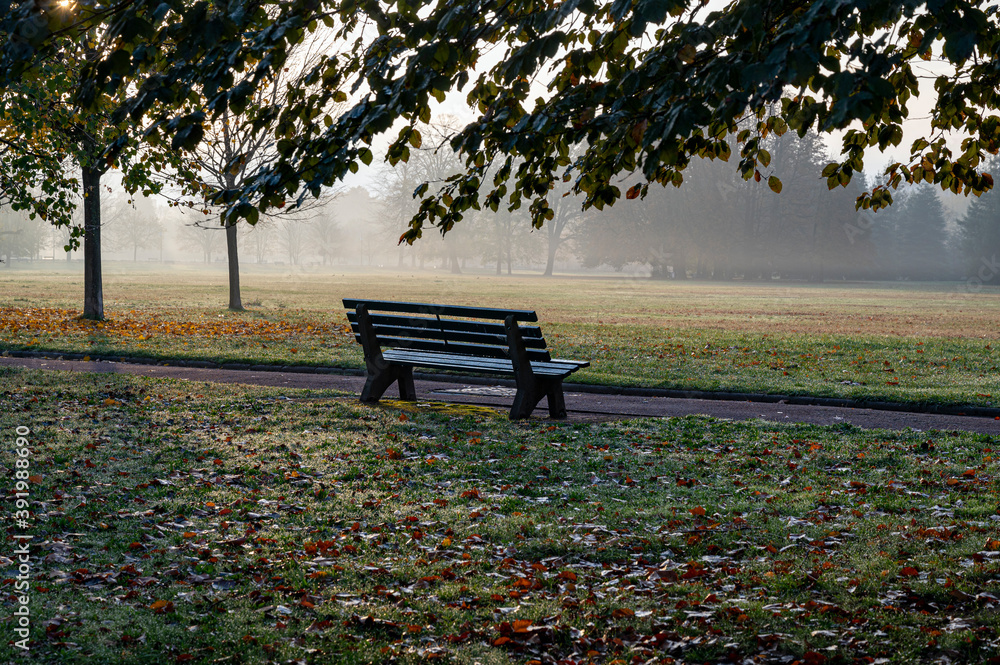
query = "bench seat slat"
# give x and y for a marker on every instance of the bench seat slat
(441, 310)
(459, 349)
(495, 366)
(579, 364)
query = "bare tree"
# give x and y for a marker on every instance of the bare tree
(325, 236)
(260, 237)
(235, 148)
(21, 236)
(293, 239)
(567, 212)
(433, 162)
(201, 239)
(133, 224)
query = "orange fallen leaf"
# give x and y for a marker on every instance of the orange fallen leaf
(162, 606)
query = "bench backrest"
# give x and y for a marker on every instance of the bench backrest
(447, 328)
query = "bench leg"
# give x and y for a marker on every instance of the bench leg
(529, 396)
(379, 378)
(525, 401)
(407, 392)
(557, 404)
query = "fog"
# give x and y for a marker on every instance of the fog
(714, 226)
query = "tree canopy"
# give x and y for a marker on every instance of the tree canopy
(644, 85)
(46, 130)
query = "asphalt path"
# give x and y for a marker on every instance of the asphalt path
(581, 406)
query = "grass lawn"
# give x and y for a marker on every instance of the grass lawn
(909, 343)
(186, 522)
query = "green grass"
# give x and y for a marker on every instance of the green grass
(189, 522)
(916, 343)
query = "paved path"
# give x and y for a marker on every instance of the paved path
(582, 406)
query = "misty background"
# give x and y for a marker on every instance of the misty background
(714, 226)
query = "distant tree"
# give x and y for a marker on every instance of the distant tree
(293, 238)
(911, 237)
(394, 189)
(133, 224)
(242, 141)
(635, 232)
(430, 160)
(363, 234)
(808, 229)
(979, 234)
(202, 240)
(260, 238)
(20, 235)
(325, 236)
(720, 226)
(567, 213)
(504, 238)
(923, 236)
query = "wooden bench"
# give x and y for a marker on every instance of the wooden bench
(398, 336)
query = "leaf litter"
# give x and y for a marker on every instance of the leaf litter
(201, 523)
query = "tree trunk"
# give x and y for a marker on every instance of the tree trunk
(551, 260)
(555, 238)
(680, 265)
(235, 301)
(93, 289)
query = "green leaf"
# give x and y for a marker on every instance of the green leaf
(775, 184)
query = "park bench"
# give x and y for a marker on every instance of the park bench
(398, 336)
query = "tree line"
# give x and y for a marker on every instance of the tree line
(715, 227)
